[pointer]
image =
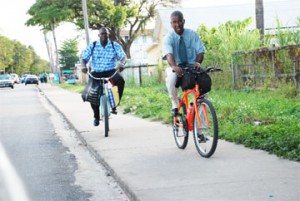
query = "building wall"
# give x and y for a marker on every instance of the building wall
(138, 49)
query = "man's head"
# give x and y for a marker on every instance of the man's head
(177, 22)
(103, 34)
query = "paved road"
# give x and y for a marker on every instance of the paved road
(144, 159)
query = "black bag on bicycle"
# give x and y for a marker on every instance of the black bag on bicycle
(191, 77)
(204, 81)
(91, 91)
(188, 80)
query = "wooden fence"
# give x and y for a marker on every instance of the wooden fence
(267, 67)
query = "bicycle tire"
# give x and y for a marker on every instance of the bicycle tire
(206, 135)
(180, 131)
(104, 113)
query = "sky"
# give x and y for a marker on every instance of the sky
(13, 17)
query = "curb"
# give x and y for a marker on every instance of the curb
(98, 157)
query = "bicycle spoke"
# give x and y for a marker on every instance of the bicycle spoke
(205, 129)
(180, 130)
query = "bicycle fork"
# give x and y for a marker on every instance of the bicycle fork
(204, 113)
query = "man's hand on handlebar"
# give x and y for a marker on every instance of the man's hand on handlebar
(120, 67)
(84, 70)
(196, 65)
(177, 70)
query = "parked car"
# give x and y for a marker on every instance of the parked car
(15, 77)
(22, 79)
(6, 81)
(31, 79)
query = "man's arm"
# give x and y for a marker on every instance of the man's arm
(171, 62)
(83, 66)
(199, 60)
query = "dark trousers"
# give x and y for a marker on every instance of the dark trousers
(117, 80)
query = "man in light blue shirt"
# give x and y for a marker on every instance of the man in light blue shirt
(192, 56)
(106, 55)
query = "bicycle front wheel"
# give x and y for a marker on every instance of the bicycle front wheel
(206, 131)
(180, 130)
(104, 113)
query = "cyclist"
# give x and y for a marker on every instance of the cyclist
(182, 47)
(105, 54)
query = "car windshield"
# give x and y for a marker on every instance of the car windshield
(4, 77)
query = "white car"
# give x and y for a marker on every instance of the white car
(6, 81)
(15, 77)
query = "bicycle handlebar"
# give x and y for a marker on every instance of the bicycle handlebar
(201, 70)
(102, 78)
(213, 69)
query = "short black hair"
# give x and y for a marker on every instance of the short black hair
(177, 13)
(104, 28)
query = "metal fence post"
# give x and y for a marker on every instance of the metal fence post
(140, 74)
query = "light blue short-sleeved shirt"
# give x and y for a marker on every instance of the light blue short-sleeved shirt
(103, 58)
(193, 43)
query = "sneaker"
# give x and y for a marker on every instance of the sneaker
(202, 138)
(174, 116)
(174, 112)
(96, 122)
(114, 111)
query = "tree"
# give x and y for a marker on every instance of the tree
(68, 54)
(22, 58)
(117, 15)
(48, 14)
(38, 65)
(6, 53)
(259, 13)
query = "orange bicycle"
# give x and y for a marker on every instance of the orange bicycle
(198, 116)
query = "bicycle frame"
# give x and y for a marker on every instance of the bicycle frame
(185, 100)
(204, 127)
(103, 92)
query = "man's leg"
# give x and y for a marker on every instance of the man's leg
(119, 81)
(173, 91)
(96, 114)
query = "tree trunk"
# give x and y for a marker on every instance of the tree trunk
(56, 51)
(51, 66)
(259, 13)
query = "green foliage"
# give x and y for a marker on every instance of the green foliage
(68, 54)
(277, 116)
(6, 52)
(71, 87)
(47, 12)
(222, 41)
(17, 58)
(286, 37)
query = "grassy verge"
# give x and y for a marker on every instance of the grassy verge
(278, 131)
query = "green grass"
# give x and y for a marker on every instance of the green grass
(279, 132)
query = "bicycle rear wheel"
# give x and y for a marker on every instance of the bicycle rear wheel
(104, 113)
(206, 134)
(180, 129)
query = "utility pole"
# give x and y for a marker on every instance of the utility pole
(86, 21)
(259, 14)
(86, 27)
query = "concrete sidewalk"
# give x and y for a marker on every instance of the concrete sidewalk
(142, 156)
